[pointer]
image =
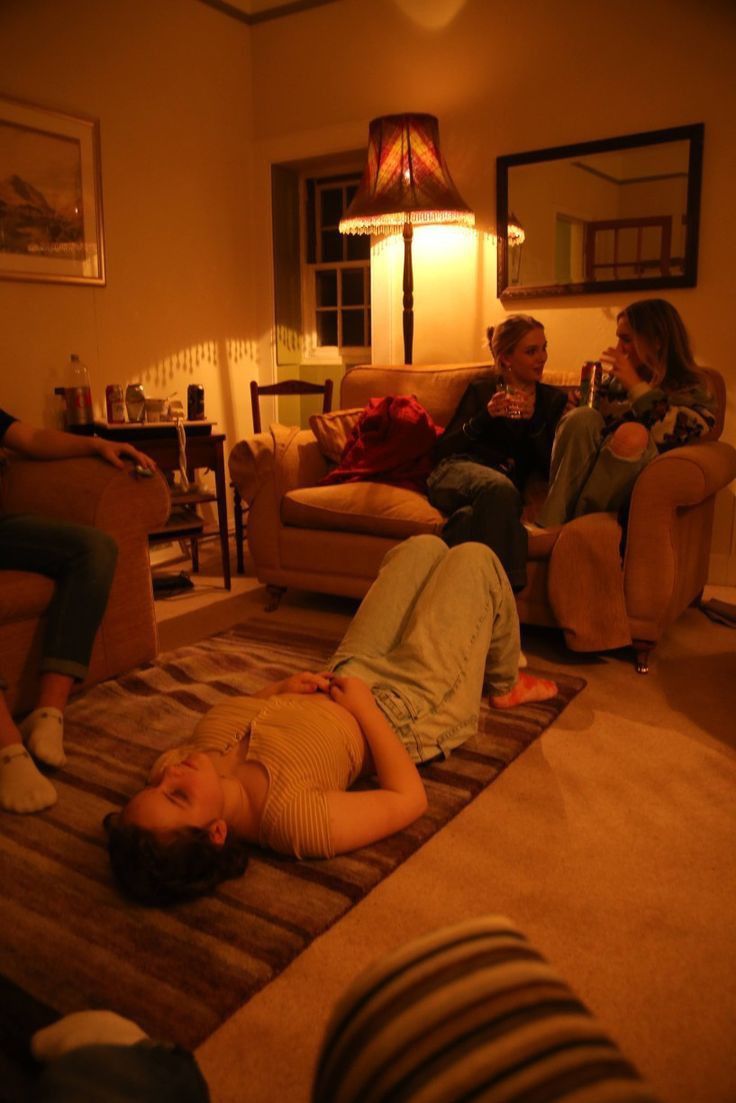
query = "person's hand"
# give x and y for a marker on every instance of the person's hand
(306, 682)
(622, 367)
(352, 693)
(113, 452)
(498, 405)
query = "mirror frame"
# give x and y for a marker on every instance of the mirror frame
(693, 133)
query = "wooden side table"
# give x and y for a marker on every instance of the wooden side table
(204, 448)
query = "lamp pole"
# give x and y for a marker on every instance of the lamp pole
(408, 318)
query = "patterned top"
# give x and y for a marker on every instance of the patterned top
(673, 418)
(308, 745)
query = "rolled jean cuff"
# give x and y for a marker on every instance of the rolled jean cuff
(77, 671)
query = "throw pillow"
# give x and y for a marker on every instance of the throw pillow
(333, 431)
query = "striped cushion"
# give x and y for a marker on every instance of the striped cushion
(472, 1011)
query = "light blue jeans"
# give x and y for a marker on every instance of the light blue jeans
(585, 475)
(423, 635)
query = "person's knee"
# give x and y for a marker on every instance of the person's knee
(424, 548)
(629, 440)
(500, 497)
(581, 421)
(478, 559)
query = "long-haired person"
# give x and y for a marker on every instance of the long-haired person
(499, 436)
(275, 769)
(598, 454)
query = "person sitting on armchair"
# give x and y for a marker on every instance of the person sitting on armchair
(81, 561)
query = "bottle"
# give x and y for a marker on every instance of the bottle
(195, 402)
(591, 374)
(78, 393)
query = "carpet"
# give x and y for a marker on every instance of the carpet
(69, 941)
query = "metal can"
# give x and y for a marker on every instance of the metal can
(115, 403)
(591, 375)
(195, 402)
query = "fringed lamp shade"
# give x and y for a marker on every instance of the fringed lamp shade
(406, 182)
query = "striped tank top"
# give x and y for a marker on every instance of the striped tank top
(308, 745)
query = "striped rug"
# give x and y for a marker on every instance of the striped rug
(68, 939)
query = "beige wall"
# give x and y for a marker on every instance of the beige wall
(170, 84)
(194, 107)
(502, 79)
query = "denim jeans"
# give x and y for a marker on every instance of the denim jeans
(81, 561)
(481, 504)
(422, 636)
(585, 475)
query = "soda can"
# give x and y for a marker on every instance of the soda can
(195, 402)
(591, 375)
(115, 403)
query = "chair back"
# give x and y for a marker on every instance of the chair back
(288, 387)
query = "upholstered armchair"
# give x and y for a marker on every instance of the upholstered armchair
(333, 538)
(89, 492)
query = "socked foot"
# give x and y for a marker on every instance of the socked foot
(527, 689)
(22, 787)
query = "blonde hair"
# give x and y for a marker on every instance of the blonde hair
(658, 323)
(503, 338)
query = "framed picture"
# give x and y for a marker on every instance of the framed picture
(50, 196)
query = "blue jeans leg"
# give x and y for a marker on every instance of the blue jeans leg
(430, 681)
(81, 561)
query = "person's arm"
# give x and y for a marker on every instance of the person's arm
(305, 682)
(470, 422)
(50, 444)
(359, 818)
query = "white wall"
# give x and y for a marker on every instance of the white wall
(194, 107)
(502, 79)
(169, 81)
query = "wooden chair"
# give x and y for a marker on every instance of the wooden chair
(286, 387)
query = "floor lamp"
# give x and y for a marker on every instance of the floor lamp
(405, 182)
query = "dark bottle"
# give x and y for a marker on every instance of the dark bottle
(195, 402)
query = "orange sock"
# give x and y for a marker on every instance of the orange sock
(527, 688)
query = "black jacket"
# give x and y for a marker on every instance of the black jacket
(516, 447)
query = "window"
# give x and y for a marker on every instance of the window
(322, 277)
(338, 267)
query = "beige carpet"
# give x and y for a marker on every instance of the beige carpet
(610, 841)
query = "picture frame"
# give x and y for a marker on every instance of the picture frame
(50, 196)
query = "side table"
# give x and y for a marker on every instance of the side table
(204, 448)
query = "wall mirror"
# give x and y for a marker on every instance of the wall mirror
(615, 214)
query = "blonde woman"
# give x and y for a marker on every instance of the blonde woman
(500, 434)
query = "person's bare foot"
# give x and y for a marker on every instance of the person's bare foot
(527, 689)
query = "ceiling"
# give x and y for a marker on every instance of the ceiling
(258, 11)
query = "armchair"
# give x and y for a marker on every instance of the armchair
(333, 538)
(88, 492)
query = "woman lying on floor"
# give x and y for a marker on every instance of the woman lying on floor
(273, 769)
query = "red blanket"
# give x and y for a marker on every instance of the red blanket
(390, 443)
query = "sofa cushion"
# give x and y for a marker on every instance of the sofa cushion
(374, 508)
(334, 430)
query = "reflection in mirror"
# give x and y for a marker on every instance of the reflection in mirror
(615, 214)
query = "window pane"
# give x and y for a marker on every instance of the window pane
(331, 241)
(358, 246)
(350, 191)
(326, 288)
(331, 206)
(326, 327)
(352, 286)
(352, 328)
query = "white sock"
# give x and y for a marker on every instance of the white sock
(43, 733)
(22, 787)
(84, 1028)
